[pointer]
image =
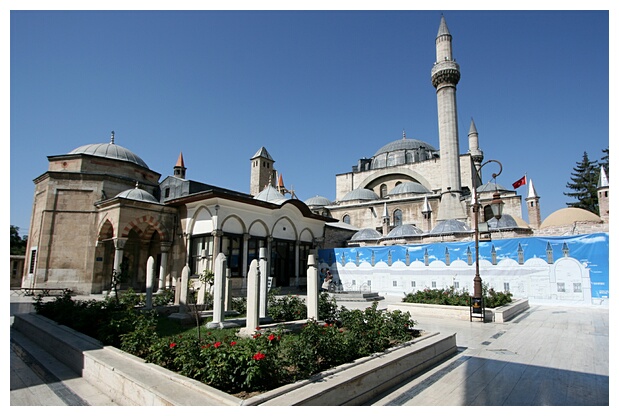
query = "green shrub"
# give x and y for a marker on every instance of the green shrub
(452, 296)
(239, 305)
(163, 298)
(286, 308)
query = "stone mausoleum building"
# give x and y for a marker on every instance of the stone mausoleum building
(100, 205)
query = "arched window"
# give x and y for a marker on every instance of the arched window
(397, 217)
(346, 219)
(383, 191)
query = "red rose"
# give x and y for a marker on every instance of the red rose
(217, 344)
(233, 343)
(172, 344)
(271, 337)
(259, 356)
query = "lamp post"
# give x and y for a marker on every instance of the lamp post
(477, 301)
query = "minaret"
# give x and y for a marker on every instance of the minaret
(385, 220)
(445, 77)
(533, 210)
(603, 201)
(426, 210)
(476, 154)
(179, 168)
(262, 172)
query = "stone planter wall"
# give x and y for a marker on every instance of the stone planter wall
(501, 314)
(130, 381)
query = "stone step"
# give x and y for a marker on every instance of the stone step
(357, 296)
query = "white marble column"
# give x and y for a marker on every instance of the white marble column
(163, 267)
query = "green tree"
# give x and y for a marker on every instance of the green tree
(604, 161)
(583, 185)
(18, 244)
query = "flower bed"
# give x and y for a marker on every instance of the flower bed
(269, 359)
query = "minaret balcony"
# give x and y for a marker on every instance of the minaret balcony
(446, 71)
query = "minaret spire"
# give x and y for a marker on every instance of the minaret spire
(533, 208)
(443, 29)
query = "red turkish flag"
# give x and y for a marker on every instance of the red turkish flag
(520, 182)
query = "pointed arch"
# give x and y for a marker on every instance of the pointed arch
(145, 226)
(306, 235)
(258, 228)
(233, 224)
(284, 228)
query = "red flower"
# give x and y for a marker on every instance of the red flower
(217, 344)
(233, 343)
(259, 356)
(172, 344)
(271, 337)
(206, 346)
(256, 335)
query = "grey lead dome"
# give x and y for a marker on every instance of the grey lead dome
(137, 195)
(110, 151)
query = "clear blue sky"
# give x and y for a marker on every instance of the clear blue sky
(318, 89)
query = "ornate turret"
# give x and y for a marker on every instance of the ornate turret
(262, 171)
(179, 168)
(602, 190)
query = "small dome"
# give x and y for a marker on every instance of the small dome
(450, 227)
(137, 194)
(360, 194)
(404, 230)
(568, 216)
(110, 151)
(270, 194)
(317, 201)
(490, 187)
(366, 234)
(506, 221)
(409, 188)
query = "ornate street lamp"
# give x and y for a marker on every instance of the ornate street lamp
(477, 301)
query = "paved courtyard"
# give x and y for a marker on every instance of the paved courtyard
(549, 355)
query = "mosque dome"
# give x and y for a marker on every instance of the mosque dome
(450, 227)
(110, 151)
(360, 194)
(409, 188)
(404, 230)
(404, 144)
(366, 234)
(401, 152)
(137, 194)
(270, 194)
(317, 201)
(568, 216)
